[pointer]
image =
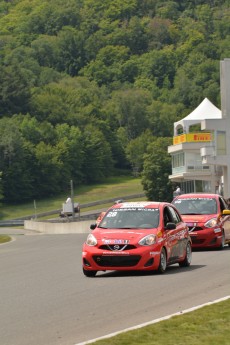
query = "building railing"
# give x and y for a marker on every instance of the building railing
(190, 167)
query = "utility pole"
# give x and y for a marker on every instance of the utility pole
(72, 197)
(35, 210)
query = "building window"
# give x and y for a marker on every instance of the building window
(196, 186)
(178, 160)
(221, 143)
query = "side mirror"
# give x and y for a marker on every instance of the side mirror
(170, 226)
(93, 226)
(226, 213)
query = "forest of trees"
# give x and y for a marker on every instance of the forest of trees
(90, 87)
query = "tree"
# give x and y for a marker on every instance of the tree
(136, 150)
(168, 9)
(130, 33)
(157, 168)
(14, 90)
(71, 100)
(16, 162)
(195, 80)
(45, 49)
(49, 167)
(71, 50)
(50, 103)
(70, 150)
(159, 32)
(1, 189)
(117, 150)
(107, 66)
(132, 105)
(98, 162)
(161, 117)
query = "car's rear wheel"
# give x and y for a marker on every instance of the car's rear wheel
(163, 261)
(188, 256)
(89, 273)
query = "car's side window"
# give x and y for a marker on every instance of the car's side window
(175, 216)
(167, 216)
(223, 205)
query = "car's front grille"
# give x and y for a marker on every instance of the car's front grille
(196, 228)
(120, 247)
(116, 261)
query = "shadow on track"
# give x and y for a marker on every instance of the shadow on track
(170, 270)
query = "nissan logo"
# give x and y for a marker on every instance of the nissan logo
(116, 247)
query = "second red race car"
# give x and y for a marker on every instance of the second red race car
(207, 217)
(143, 236)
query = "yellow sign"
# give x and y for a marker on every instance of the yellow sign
(192, 137)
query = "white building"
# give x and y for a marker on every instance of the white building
(201, 144)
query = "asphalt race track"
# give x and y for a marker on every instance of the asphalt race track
(46, 300)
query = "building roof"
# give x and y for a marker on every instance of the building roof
(206, 110)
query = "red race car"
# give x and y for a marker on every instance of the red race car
(207, 218)
(146, 236)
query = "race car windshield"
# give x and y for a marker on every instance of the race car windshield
(196, 206)
(131, 218)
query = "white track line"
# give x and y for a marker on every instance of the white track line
(154, 321)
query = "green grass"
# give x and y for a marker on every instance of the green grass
(5, 238)
(206, 326)
(115, 187)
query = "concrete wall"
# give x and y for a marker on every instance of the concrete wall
(59, 228)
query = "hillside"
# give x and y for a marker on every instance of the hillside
(89, 87)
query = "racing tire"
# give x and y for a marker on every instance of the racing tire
(163, 262)
(89, 274)
(188, 256)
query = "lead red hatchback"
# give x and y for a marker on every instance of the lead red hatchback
(146, 236)
(207, 218)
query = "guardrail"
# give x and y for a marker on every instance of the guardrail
(12, 222)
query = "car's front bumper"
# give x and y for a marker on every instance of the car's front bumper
(144, 258)
(206, 238)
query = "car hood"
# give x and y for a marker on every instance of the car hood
(122, 234)
(198, 218)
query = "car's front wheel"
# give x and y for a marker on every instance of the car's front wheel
(89, 273)
(188, 256)
(163, 261)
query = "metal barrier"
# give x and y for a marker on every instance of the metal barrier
(12, 222)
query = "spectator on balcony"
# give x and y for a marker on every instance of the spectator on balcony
(177, 191)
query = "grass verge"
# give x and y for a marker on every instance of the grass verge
(4, 238)
(115, 187)
(206, 326)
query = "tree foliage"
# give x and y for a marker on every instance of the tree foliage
(157, 168)
(87, 86)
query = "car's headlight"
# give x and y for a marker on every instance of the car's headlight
(211, 223)
(148, 240)
(91, 240)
